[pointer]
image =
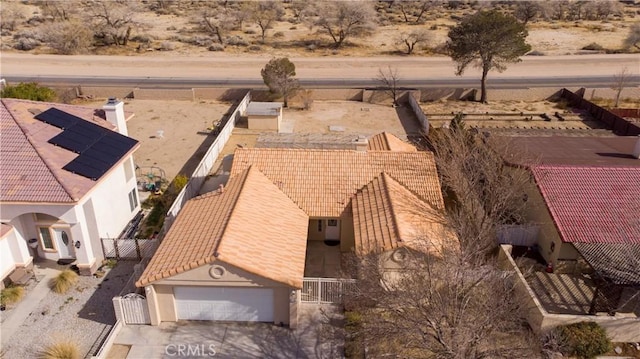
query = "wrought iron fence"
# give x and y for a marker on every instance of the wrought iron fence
(325, 290)
(128, 248)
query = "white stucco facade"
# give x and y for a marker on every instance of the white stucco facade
(102, 212)
(14, 253)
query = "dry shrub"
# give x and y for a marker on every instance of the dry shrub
(11, 295)
(64, 281)
(61, 350)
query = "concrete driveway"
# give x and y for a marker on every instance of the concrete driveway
(319, 335)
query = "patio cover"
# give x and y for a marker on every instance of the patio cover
(616, 262)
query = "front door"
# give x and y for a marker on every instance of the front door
(332, 229)
(64, 243)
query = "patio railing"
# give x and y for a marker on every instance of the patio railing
(325, 290)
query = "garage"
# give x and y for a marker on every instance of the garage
(224, 303)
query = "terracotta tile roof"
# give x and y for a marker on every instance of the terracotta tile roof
(592, 204)
(251, 225)
(5, 229)
(386, 141)
(30, 167)
(322, 182)
(386, 216)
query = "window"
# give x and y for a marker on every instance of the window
(133, 200)
(41, 217)
(319, 226)
(45, 238)
(332, 223)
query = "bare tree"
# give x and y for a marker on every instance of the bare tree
(11, 14)
(633, 39)
(526, 11)
(414, 38)
(389, 79)
(60, 10)
(301, 10)
(114, 20)
(265, 13)
(68, 37)
(488, 192)
(416, 8)
(620, 81)
(343, 19)
(439, 306)
(215, 21)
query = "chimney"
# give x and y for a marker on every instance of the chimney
(636, 151)
(114, 112)
(221, 188)
(361, 143)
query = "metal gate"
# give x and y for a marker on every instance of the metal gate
(324, 290)
(132, 309)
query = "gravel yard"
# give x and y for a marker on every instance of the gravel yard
(84, 315)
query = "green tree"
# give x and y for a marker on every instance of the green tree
(489, 40)
(29, 91)
(279, 76)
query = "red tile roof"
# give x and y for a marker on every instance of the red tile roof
(592, 204)
(30, 167)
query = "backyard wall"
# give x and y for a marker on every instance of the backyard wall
(619, 125)
(620, 328)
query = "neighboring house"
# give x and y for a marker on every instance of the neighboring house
(587, 192)
(240, 253)
(67, 180)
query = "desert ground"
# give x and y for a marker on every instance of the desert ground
(162, 28)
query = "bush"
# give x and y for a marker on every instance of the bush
(26, 44)
(166, 46)
(64, 281)
(584, 339)
(11, 295)
(216, 47)
(353, 345)
(594, 46)
(29, 91)
(237, 41)
(278, 34)
(61, 350)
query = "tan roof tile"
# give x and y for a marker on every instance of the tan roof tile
(386, 141)
(5, 229)
(251, 225)
(322, 182)
(386, 215)
(30, 167)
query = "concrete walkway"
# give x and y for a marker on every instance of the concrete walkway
(318, 336)
(32, 299)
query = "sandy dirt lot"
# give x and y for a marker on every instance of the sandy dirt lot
(182, 124)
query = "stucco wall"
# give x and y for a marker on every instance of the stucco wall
(347, 236)
(110, 202)
(257, 122)
(536, 212)
(314, 233)
(232, 277)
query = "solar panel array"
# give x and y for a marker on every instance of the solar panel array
(98, 148)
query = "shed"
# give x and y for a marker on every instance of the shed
(264, 115)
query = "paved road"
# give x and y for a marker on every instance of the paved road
(163, 70)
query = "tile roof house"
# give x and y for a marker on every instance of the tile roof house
(241, 252)
(66, 180)
(595, 210)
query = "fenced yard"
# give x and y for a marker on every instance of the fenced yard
(325, 290)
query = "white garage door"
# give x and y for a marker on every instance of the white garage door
(224, 303)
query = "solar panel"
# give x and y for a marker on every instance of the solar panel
(99, 148)
(57, 118)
